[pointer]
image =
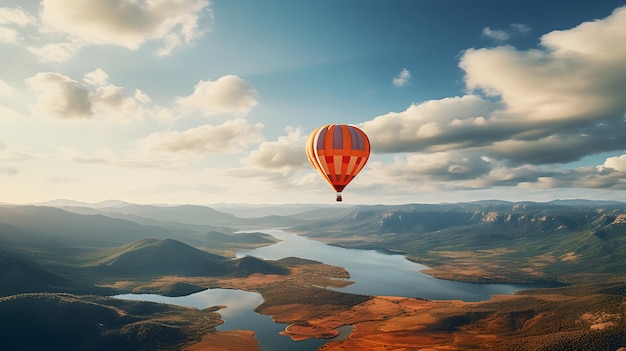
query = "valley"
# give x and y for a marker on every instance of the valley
(68, 260)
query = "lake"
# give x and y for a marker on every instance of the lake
(238, 315)
(377, 273)
(373, 272)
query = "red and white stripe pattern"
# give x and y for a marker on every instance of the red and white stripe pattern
(338, 152)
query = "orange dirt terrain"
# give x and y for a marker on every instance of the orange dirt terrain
(232, 340)
(562, 318)
(516, 322)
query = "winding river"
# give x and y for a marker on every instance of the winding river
(374, 273)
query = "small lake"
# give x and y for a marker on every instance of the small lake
(373, 273)
(238, 315)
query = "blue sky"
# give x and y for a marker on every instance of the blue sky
(190, 101)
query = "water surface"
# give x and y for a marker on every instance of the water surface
(373, 273)
(238, 315)
(377, 273)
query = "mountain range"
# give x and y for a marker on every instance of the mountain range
(58, 263)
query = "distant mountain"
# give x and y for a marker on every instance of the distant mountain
(252, 211)
(567, 238)
(60, 228)
(189, 214)
(65, 202)
(425, 218)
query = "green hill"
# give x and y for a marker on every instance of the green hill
(249, 265)
(67, 322)
(151, 257)
(18, 276)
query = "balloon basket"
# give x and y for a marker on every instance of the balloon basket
(339, 199)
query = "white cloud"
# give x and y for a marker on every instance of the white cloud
(563, 98)
(453, 171)
(97, 77)
(579, 75)
(56, 52)
(229, 137)
(126, 23)
(6, 90)
(431, 125)
(15, 16)
(597, 41)
(285, 154)
(497, 35)
(8, 35)
(12, 19)
(228, 94)
(113, 101)
(438, 167)
(528, 113)
(402, 78)
(617, 163)
(60, 96)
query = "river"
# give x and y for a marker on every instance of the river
(373, 272)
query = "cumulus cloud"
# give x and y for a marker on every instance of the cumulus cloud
(125, 22)
(228, 94)
(56, 52)
(434, 125)
(11, 20)
(527, 113)
(438, 167)
(114, 101)
(97, 77)
(525, 102)
(229, 137)
(617, 163)
(402, 78)
(15, 16)
(5, 89)
(451, 171)
(578, 74)
(60, 96)
(285, 154)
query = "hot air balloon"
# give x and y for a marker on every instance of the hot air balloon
(338, 152)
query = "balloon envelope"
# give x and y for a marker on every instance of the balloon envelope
(338, 152)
